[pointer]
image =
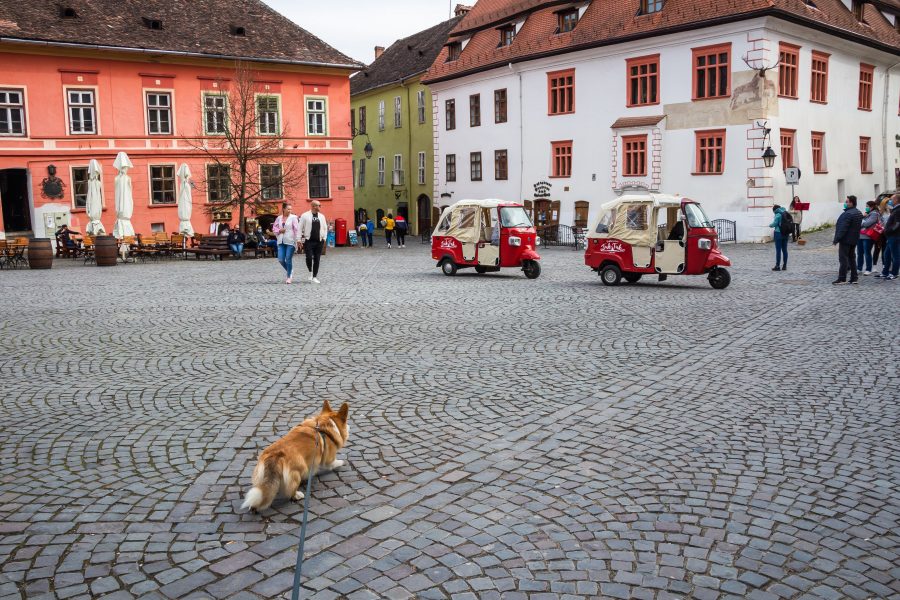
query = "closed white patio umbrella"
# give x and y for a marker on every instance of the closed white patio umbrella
(94, 204)
(185, 201)
(124, 198)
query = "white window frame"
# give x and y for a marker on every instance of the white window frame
(420, 105)
(262, 192)
(398, 112)
(206, 109)
(309, 184)
(94, 107)
(381, 115)
(421, 178)
(259, 128)
(323, 112)
(9, 107)
(72, 180)
(170, 108)
(174, 183)
(380, 170)
(206, 173)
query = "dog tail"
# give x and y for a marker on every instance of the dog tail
(266, 483)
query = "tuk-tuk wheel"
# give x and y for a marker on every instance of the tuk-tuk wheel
(610, 275)
(632, 277)
(448, 267)
(480, 270)
(532, 269)
(719, 278)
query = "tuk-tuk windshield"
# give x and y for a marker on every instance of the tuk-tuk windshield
(514, 216)
(695, 216)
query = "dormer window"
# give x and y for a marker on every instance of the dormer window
(67, 12)
(454, 49)
(238, 30)
(651, 6)
(811, 4)
(858, 10)
(155, 24)
(568, 19)
(507, 35)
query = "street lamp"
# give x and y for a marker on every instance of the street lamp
(368, 149)
(769, 155)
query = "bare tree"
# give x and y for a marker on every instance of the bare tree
(245, 140)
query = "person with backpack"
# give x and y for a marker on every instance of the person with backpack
(891, 255)
(783, 226)
(867, 238)
(846, 236)
(400, 227)
(370, 232)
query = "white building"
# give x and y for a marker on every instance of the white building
(594, 101)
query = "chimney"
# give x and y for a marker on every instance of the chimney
(461, 10)
(379, 50)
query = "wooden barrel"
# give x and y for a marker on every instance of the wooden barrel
(40, 253)
(105, 250)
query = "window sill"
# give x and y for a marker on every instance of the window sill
(561, 177)
(640, 105)
(705, 174)
(818, 101)
(864, 109)
(867, 172)
(634, 174)
(712, 98)
(311, 200)
(170, 205)
(820, 172)
(559, 114)
(786, 97)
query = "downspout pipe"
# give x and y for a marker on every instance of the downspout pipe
(884, 125)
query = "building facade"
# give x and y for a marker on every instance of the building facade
(584, 104)
(392, 113)
(87, 81)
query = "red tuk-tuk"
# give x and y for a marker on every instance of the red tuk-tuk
(487, 235)
(654, 234)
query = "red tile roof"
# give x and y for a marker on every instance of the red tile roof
(608, 22)
(626, 122)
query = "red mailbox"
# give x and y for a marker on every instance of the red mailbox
(340, 232)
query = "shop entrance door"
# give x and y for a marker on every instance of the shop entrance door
(14, 197)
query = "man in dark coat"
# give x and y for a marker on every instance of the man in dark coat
(846, 235)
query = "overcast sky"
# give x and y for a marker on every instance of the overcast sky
(355, 27)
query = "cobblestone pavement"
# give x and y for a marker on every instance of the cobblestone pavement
(547, 439)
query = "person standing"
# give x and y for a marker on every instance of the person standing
(864, 246)
(388, 228)
(236, 241)
(400, 227)
(781, 239)
(313, 233)
(362, 234)
(287, 231)
(370, 231)
(891, 254)
(797, 216)
(846, 236)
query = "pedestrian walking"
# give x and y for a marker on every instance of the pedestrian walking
(236, 241)
(783, 226)
(797, 216)
(363, 233)
(400, 227)
(884, 213)
(370, 231)
(388, 223)
(867, 238)
(846, 237)
(313, 234)
(891, 254)
(287, 231)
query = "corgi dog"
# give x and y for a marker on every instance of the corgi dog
(313, 444)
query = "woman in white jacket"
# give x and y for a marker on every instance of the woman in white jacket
(313, 233)
(287, 229)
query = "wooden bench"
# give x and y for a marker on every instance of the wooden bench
(213, 245)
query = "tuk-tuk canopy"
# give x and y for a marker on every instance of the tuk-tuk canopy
(632, 218)
(463, 220)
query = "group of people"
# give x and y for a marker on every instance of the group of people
(395, 229)
(238, 240)
(307, 234)
(860, 238)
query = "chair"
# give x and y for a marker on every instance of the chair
(87, 243)
(126, 246)
(177, 244)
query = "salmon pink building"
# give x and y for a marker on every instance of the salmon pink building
(87, 79)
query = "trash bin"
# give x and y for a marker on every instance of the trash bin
(340, 231)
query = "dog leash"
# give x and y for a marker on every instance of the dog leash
(295, 595)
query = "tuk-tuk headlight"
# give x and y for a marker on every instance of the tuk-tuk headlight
(537, 240)
(704, 244)
(515, 240)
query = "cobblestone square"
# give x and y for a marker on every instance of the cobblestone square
(510, 439)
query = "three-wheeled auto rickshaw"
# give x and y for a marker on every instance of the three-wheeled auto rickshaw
(487, 235)
(654, 234)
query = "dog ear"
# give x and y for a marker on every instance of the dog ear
(345, 410)
(326, 407)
